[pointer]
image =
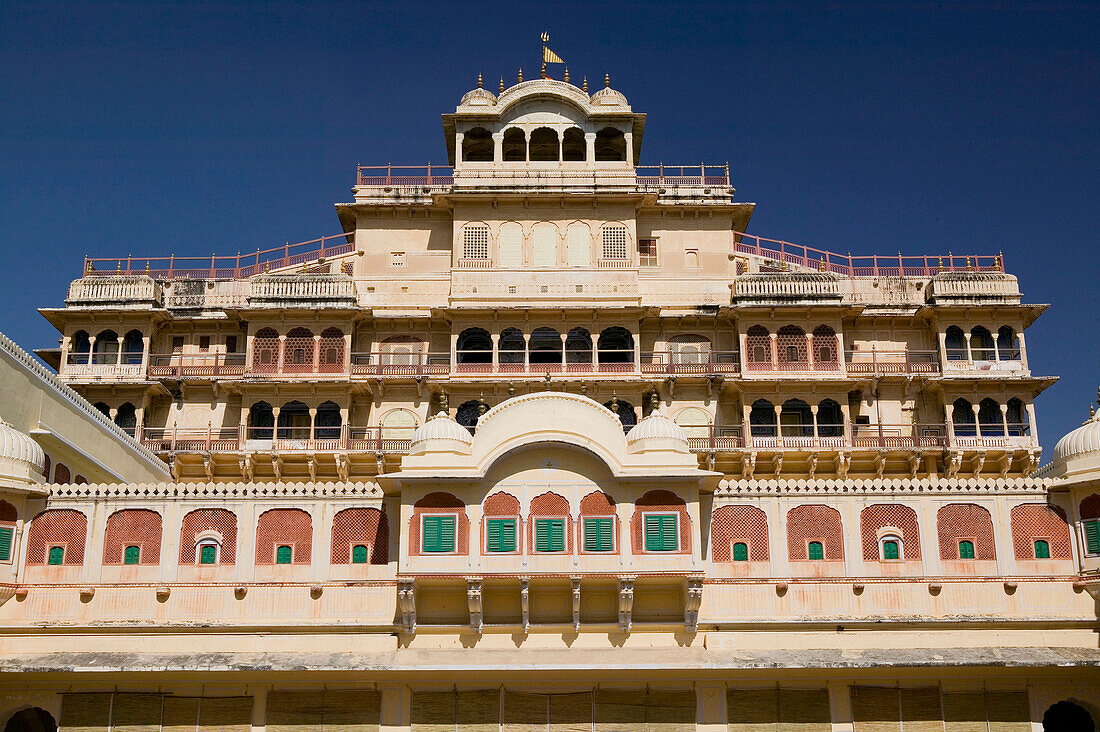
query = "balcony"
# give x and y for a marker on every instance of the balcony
(197, 365)
(106, 290)
(884, 363)
(110, 366)
(293, 439)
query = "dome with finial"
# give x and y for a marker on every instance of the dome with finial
(608, 97)
(478, 96)
(656, 426)
(440, 433)
(21, 458)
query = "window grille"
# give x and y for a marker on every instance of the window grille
(475, 242)
(613, 242)
(647, 252)
(500, 535)
(598, 534)
(550, 535)
(660, 532)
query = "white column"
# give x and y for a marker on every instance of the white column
(840, 706)
(590, 147)
(259, 708)
(710, 708)
(498, 147)
(1023, 351)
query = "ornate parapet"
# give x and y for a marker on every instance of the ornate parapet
(973, 288)
(115, 291)
(302, 291)
(787, 288)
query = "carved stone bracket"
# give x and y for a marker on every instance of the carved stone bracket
(748, 465)
(406, 604)
(473, 600)
(626, 602)
(576, 603)
(979, 463)
(343, 466)
(248, 466)
(525, 603)
(693, 599)
(953, 461)
(843, 463)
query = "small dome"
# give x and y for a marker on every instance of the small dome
(1083, 440)
(656, 426)
(609, 97)
(441, 427)
(20, 456)
(478, 98)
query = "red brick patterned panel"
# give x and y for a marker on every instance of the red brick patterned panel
(1031, 521)
(209, 519)
(440, 502)
(549, 505)
(1090, 507)
(873, 518)
(814, 523)
(282, 526)
(597, 503)
(360, 526)
(965, 521)
(501, 504)
(8, 512)
(57, 527)
(739, 523)
(660, 501)
(132, 526)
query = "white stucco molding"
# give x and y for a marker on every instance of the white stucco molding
(886, 486)
(203, 491)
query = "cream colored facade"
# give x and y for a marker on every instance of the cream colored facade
(545, 440)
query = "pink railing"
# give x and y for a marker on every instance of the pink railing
(683, 175)
(404, 175)
(176, 365)
(396, 176)
(400, 364)
(294, 439)
(708, 362)
(865, 266)
(239, 266)
(892, 362)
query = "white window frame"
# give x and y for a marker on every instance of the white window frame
(679, 538)
(485, 535)
(614, 534)
(564, 534)
(882, 547)
(420, 547)
(604, 230)
(466, 244)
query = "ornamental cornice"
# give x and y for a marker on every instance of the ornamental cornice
(545, 396)
(202, 491)
(885, 486)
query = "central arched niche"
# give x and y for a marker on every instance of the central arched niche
(549, 464)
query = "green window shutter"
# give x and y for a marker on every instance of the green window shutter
(284, 555)
(57, 554)
(439, 534)
(660, 533)
(501, 535)
(890, 549)
(966, 549)
(1092, 537)
(132, 555)
(1042, 549)
(815, 550)
(6, 535)
(208, 554)
(359, 554)
(597, 534)
(550, 535)
(740, 552)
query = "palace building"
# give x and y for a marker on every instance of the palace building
(545, 441)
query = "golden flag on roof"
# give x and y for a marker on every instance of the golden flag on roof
(549, 57)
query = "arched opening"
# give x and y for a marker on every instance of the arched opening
(615, 346)
(796, 419)
(126, 418)
(265, 351)
(511, 347)
(981, 344)
(578, 346)
(791, 348)
(572, 145)
(1008, 344)
(132, 347)
(758, 348)
(510, 245)
(298, 352)
(326, 425)
(689, 349)
(544, 145)
(762, 419)
(80, 348)
(1016, 416)
(954, 342)
(624, 410)
(401, 351)
(474, 346)
(830, 420)
(989, 417)
(544, 245)
(293, 423)
(825, 348)
(694, 421)
(962, 416)
(545, 347)
(578, 245)
(468, 413)
(31, 720)
(1065, 716)
(261, 421)
(477, 146)
(398, 424)
(103, 409)
(890, 548)
(331, 351)
(610, 145)
(514, 147)
(61, 474)
(105, 350)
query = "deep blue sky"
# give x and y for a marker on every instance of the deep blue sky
(868, 127)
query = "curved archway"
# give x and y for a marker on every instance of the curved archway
(954, 342)
(299, 351)
(545, 348)
(826, 350)
(830, 419)
(758, 349)
(615, 346)
(477, 146)
(469, 412)
(544, 145)
(330, 358)
(327, 423)
(293, 422)
(982, 347)
(126, 418)
(989, 417)
(510, 349)
(514, 147)
(796, 419)
(1066, 716)
(80, 348)
(791, 350)
(33, 719)
(578, 346)
(474, 346)
(265, 351)
(133, 345)
(624, 410)
(762, 421)
(398, 424)
(962, 416)
(572, 145)
(261, 421)
(105, 350)
(610, 145)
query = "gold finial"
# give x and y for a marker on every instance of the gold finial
(544, 69)
(545, 37)
(119, 270)
(146, 266)
(502, 85)
(968, 263)
(479, 81)
(584, 86)
(606, 81)
(566, 79)
(521, 76)
(821, 265)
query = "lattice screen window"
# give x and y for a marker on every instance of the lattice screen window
(613, 242)
(475, 242)
(647, 252)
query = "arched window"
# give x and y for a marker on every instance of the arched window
(734, 526)
(360, 536)
(298, 352)
(261, 421)
(796, 419)
(57, 536)
(762, 419)
(510, 245)
(61, 474)
(791, 348)
(398, 424)
(132, 536)
(758, 349)
(265, 351)
(689, 350)
(207, 551)
(133, 345)
(105, 350)
(401, 351)
(660, 523)
(890, 548)
(830, 420)
(474, 346)
(327, 423)
(477, 146)
(989, 417)
(965, 532)
(475, 241)
(544, 145)
(511, 347)
(624, 410)
(469, 412)
(573, 147)
(1040, 531)
(981, 344)
(80, 348)
(882, 521)
(1069, 717)
(615, 346)
(578, 347)
(954, 342)
(514, 147)
(103, 408)
(610, 145)
(126, 418)
(439, 525)
(578, 245)
(544, 246)
(545, 347)
(962, 416)
(33, 719)
(694, 421)
(812, 525)
(1016, 416)
(1008, 345)
(331, 351)
(284, 536)
(826, 348)
(215, 528)
(614, 242)
(293, 422)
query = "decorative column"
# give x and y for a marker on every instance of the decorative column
(949, 413)
(496, 351)
(146, 340)
(563, 357)
(118, 356)
(498, 147)
(1004, 419)
(282, 351)
(778, 423)
(1030, 408)
(773, 338)
(91, 350)
(969, 353)
(316, 353)
(275, 422)
(977, 422)
(810, 351)
(312, 424)
(629, 139)
(1023, 351)
(589, 147)
(813, 415)
(526, 352)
